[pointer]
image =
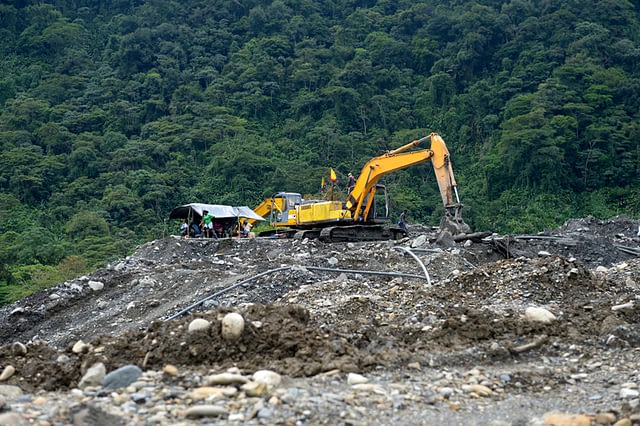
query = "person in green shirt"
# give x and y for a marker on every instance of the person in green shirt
(207, 224)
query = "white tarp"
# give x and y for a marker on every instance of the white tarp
(217, 210)
(246, 212)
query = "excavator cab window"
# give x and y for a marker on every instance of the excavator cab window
(380, 208)
(293, 200)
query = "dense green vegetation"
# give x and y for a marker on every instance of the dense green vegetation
(112, 113)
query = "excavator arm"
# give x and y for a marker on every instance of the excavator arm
(360, 199)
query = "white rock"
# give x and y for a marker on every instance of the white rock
(369, 387)
(94, 376)
(626, 393)
(544, 253)
(95, 285)
(232, 326)
(542, 315)
(226, 379)
(8, 371)
(419, 241)
(268, 377)
(80, 347)
(602, 269)
(356, 379)
(628, 305)
(199, 324)
(621, 266)
(332, 261)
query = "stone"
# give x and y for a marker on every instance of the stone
(170, 370)
(18, 349)
(255, 389)
(122, 377)
(419, 241)
(623, 422)
(605, 418)
(356, 379)
(205, 411)
(7, 372)
(10, 391)
(268, 377)
(96, 285)
(80, 347)
(94, 376)
(627, 393)
(445, 239)
(13, 419)
(480, 390)
(232, 326)
(564, 419)
(534, 314)
(226, 379)
(207, 392)
(198, 324)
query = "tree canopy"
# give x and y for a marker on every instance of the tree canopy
(112, 113)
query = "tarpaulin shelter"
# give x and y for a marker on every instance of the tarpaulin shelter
(194, 211)
(225, 218)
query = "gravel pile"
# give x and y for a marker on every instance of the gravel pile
(345, 333)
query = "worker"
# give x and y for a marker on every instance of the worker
(246, 229)
(218, 229)
(194, 230)
(402, 223)
(184, 229)
(207, 224)
(351, 182)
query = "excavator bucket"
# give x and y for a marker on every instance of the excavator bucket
(452, 221)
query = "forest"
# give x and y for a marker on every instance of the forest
(114, 112)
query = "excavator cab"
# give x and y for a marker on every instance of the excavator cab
(379, 212)
(287, 203)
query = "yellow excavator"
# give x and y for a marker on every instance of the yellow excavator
(362, 217)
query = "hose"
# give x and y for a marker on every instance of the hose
(284, 268)
(412, 254)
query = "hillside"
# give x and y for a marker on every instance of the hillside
(113, 113)
(353, 331)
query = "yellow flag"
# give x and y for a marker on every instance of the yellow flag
(332, 175)
(322, 182)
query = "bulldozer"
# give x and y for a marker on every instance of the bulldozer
(364, 214)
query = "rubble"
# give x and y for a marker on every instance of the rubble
(551, 315)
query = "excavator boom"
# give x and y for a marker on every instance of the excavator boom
(359, 199)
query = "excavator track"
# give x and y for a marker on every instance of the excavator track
(355, 233)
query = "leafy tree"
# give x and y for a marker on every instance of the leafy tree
(86, 224)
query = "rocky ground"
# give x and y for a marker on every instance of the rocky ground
(501, 330)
